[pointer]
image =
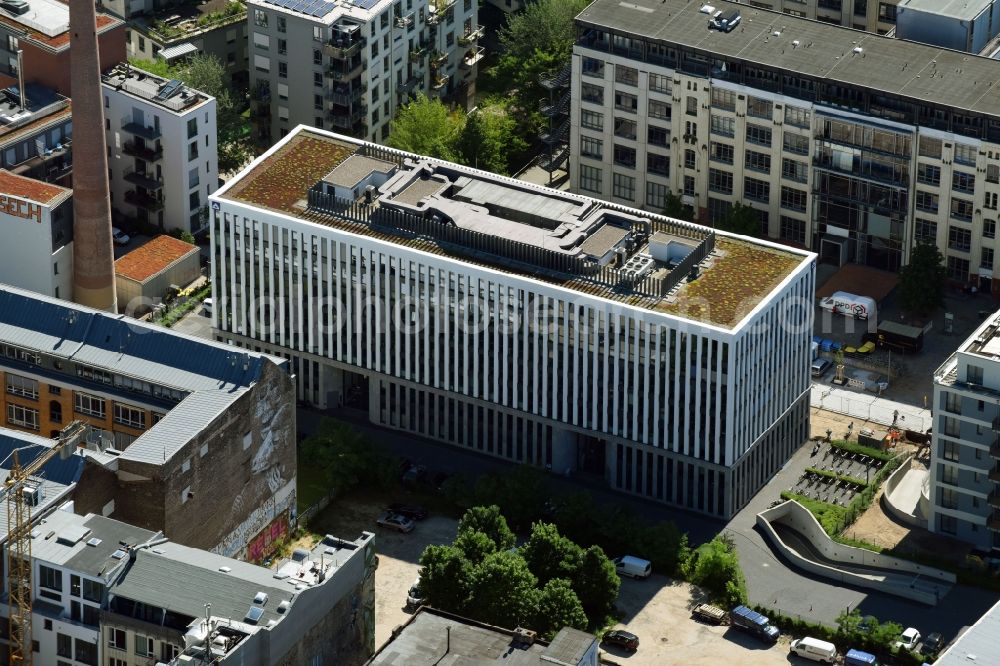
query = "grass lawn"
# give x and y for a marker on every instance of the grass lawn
(312, 484)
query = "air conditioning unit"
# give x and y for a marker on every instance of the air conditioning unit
(32, 495)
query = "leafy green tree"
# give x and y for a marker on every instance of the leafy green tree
(885, 635)
(347, 456)
(549, 554)
(426, 127)
(665, 546)
(574, 514)
(504, 592)
(921, 282)
(489, 521)
(676, 209)
(519, 495)
(475, 545)
(558, 607)
(740, 219)
(157, 66)
(490, 137)
(596, 584)
(715, 566)
(446, 577)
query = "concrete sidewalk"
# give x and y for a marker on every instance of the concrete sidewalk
(869, 407)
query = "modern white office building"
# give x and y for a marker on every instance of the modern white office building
(852, 144)
(520, 321)
(162, 149)
(965, 450)
(347, 66)
(37, 223)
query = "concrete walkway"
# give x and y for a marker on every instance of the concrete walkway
(869, 407)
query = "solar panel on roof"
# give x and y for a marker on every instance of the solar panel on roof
(366, 4)
(169, 89)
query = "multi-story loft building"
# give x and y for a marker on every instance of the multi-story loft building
(855, 145)
(35, 134)
(173, 30)
(42, 35)
(348, 66)
(187, 437)
(520, 321)
(965, 449)
(162, 149)
(869, 15)
(37, 222)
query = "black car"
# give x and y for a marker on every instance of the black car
(621, 638)
(932, 644)
(411, 511)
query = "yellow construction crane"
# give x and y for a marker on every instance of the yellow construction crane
(19, 504)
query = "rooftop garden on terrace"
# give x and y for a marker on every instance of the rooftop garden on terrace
(177, 21)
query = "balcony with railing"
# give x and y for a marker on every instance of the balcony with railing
(148, 132)
(345, 96)
(143, 200)
(473, 57)
(993, 521)
(345, 71)
(417, 54)
(442, 6)
(440, 82)
(143, 151)
(349, 120)
(407, 86)
(404, 21)
(49, 165)
(993, 499)
(471, 36)
(994, 474)
(344, 47)
(144, 180)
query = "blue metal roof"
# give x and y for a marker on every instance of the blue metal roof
(65, 472)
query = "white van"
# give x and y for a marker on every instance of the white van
(815, 650)
(851, 305)
(633, 567)
(206, 307)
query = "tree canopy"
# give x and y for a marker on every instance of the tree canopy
(716, 567)
(446, 577)
(489, 138)
(741, 220)
(347, 457)
(427, 127)
(549, 554)
(489, 521)
(921, 282)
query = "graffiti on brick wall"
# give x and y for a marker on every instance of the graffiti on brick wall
(267, 540)
(235, 543)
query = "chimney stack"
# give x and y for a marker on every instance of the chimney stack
(93, 255)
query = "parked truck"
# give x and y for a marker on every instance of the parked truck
(709, 613)
(753, 623)
(899, 337)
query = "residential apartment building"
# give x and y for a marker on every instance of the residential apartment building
(869, 15)
(519, 321)
(162, 149)
(854, 145)
(36, 134)
(172, 30)
(348, 66)
(965, 449)
(37, 223)
(187, 437)
(42, 35)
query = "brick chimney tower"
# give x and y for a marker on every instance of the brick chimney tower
(93, 254)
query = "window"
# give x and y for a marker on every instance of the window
(723, 126)
(925, 230)
(260, 18)
(689, 159)
(282, 47)
(759, 108)
(974, 374)
(952, 403)
(990, 200)
(626, 102)
(928, 174)
(93, 591)
(22, 386)
(318, 78)
(133, 417)
(930, 147)
(592, 93)
(759, 135)
(22, 416)
(89, 405)
(592, 67)
(49, 578)
(720, 181)
(590, 178)
(795, 143)
(963, 182)
(627, 75)
(692, 106)
(86, 653)
(756, 190)
(720, 152)
(961, 209)
(794, 170)
(797, 116)
(658, 164)
(886, 12)
(724, 100)
(949, 498)
(659, 83)
(590, 147)
(624, 156)
(959, 239)
(623, 187)
(947, 524)
(194, 201)
(657, 136)
(958, 269)
(659, 110)
(793, 199)
(625, 128)
(64, 646)
(965, 154)
(143, 645)
(591, 120)
(792, 230)
(992, 173)
(656, 196)
(949, 450)
(927, 202)
(192, 150)
(755, 161)
(989, 229)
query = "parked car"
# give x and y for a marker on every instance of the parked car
(411, 511)
(415, 596)
(754, 623)
(621, 638)
(207, 306)
(932, 644)
(908, 639)
(119, 237)
(820, 367)
(394, 521)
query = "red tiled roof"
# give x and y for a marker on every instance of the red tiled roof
(143, 262)
(29, 188)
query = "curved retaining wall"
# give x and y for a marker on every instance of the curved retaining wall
(796, 516)
(890, 485)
